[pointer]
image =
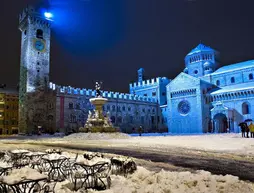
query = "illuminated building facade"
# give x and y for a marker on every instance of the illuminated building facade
(49, 107)
(8, 111)
(203, 98)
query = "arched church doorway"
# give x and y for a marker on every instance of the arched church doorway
(220, 123)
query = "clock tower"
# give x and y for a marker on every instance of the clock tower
(34, 67)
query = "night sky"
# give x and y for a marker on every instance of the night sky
(109, 40)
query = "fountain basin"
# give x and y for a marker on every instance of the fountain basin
(98, 101)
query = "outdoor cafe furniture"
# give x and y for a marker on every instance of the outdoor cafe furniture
(94, 176)
(53, 164)
(35, 159)
(18, 158)
(122, 165)
(68, 165)
(25, 180)
(91, 155)
(4, 168)
(2, 154)
(51, 151)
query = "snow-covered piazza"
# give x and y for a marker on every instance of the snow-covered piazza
(174, 133)
(160, 174)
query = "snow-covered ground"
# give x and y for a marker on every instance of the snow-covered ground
(145, 181)
(229, 142)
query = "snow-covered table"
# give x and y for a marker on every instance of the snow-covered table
(22, 181)
(35, 158)
(18, 157)
(91, 176)
(55, 164)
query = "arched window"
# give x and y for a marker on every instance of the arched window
(245, 108)
(39, 34)
(123, 108)
(129, 108)
(77, 106)
(70, 105)
(251, 76)
(108, 108)
(113, 108)
(217, 82)
(232, 79)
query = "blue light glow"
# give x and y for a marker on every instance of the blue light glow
(48, 15)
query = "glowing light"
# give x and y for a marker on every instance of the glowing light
(48, 15)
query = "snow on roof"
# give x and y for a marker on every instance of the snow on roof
(200, 48)
(233, 67)
(236, 87)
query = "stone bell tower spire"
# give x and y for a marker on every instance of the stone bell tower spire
(35, 60)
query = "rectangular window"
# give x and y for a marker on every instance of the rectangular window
(145, 94)
(153, 93)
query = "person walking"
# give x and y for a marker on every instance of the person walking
(140, 130)
(247, 130)
(251, 127)
(243, 129)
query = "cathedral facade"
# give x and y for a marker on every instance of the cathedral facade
(205, 98)
(202, 98)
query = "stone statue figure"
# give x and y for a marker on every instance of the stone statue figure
(96, 115)
(97, 88)
(89, 115)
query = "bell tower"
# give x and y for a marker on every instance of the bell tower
(34, 61)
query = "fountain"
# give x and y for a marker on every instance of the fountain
(97, 121)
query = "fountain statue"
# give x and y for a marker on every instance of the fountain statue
(97, 121)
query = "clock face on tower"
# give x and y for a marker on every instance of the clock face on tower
(39, 45)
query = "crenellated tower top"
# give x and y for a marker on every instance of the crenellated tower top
(30, 15)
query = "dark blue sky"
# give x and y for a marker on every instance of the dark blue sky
(110, 40)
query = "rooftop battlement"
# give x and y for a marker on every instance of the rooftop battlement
(34, 16)
(68, 90)
(150, 82)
